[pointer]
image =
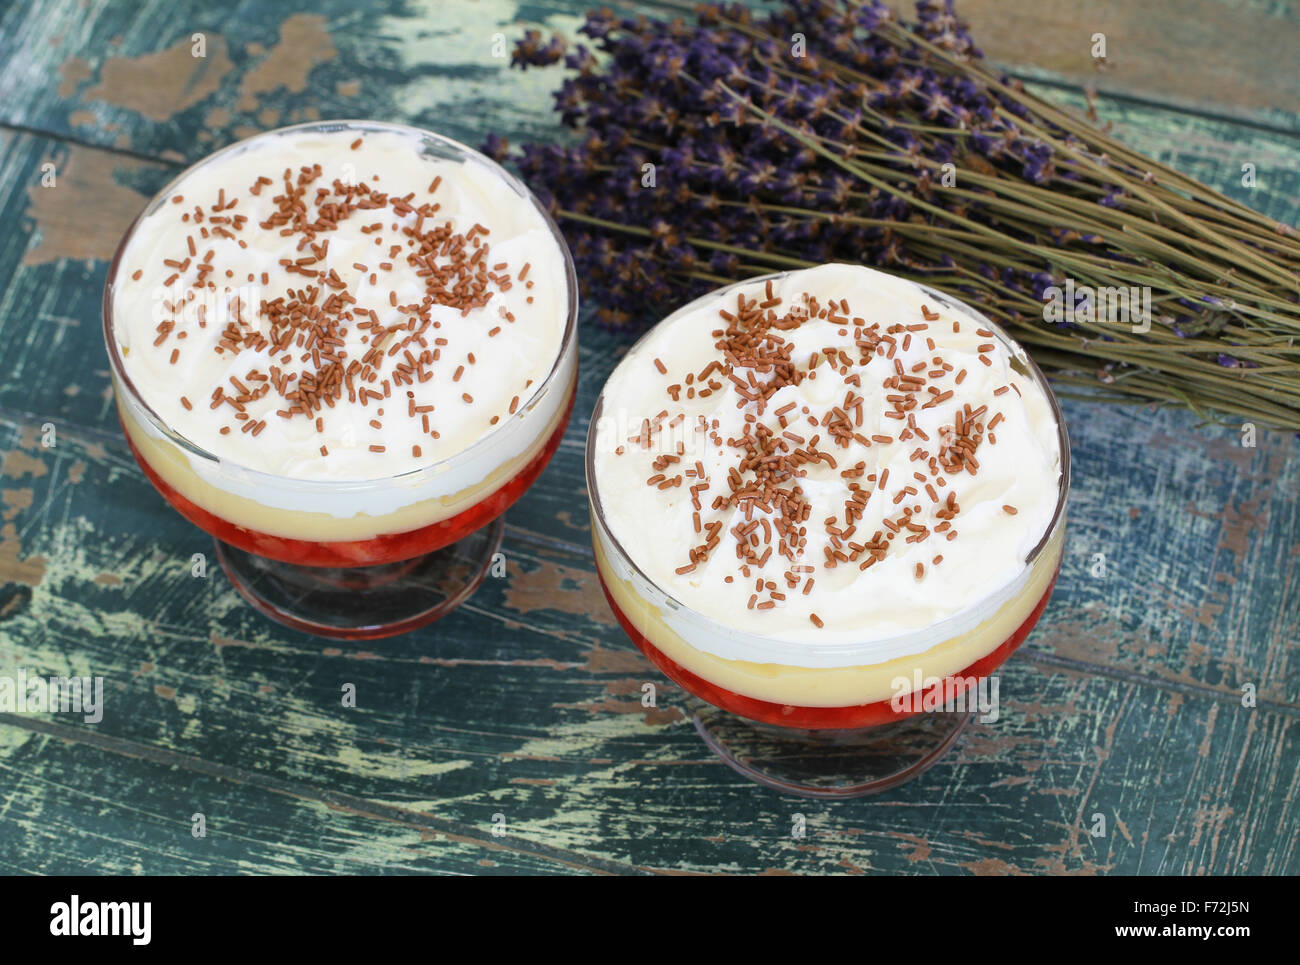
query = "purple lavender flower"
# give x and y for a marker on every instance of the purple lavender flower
(684, 97)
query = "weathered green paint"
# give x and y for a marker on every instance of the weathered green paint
(525, 703)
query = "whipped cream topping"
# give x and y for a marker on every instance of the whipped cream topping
(338, 305)
(858, 460)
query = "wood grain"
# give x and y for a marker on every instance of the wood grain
(1231, 59)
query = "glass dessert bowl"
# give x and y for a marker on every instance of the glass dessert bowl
(343, 349)
(828, 519)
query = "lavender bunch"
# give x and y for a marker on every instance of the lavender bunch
(826, 130)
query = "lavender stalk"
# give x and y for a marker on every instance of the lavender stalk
(826, 130)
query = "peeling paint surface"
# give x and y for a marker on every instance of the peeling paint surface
(134, 82)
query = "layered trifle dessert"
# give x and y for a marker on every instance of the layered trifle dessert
(342, 344)
(815, 491)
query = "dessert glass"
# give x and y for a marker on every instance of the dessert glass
(356, 559)
(850, 727)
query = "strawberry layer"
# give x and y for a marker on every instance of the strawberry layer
(385, 548)
(818, 718)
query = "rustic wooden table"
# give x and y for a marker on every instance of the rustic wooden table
(1179, 587)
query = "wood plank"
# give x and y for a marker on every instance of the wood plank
(1185, 786)
(83, 71)
(525, 702)
(73, 808)
(78, 70)
(1205, 56)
